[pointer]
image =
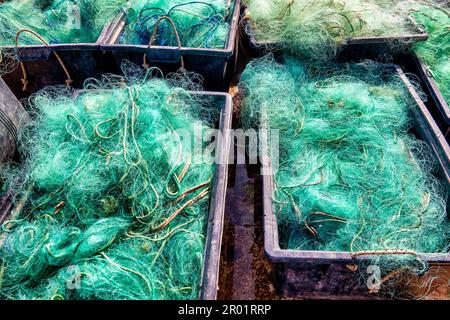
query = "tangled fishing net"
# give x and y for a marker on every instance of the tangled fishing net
(317, 28)
(110, 200)
(199, 24)
(351, 176)
(51, 21)
(436, 50)
(56, 21)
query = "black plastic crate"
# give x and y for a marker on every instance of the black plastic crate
(354, 48)
(215, 65)
(334, 272)
(54, 64)
(213, 242)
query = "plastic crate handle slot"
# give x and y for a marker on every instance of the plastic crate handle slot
(24, 80)
(152, 38)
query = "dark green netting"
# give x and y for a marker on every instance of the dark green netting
(57, 21)
(111, 202)
(200, 24)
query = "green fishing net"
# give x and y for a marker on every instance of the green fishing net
(317, 28)
(110, 201)
(56, 21)
(436, 50)
(351, 177)
(200, 24)
(51, 22)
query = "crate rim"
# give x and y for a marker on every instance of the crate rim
(211, 268)
(271, 237)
